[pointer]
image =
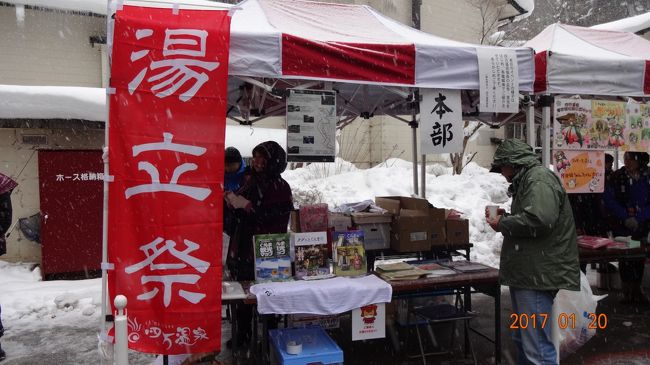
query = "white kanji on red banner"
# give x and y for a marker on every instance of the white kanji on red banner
(175, 72)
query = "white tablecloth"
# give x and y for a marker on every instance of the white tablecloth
(329, 296)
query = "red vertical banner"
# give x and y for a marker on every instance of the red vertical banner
(169, 71)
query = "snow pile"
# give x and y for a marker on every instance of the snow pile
(468, 193)
(25, 299)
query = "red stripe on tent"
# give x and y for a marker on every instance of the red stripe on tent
(646, 81)
(387, 63)
(541, 84)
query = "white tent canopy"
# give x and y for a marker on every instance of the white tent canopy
(298, 39)
(577, 60)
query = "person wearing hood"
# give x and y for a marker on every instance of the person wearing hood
(7, 185)
(261, 206)
(235, 170)
(235, 167)
(627, 198)
(539, 255)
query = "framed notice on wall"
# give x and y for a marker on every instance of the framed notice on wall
(311, 126)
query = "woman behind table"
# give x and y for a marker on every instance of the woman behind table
(266, 211)
(627, 197)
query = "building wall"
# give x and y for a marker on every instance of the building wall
(49, 48)
(20, 162)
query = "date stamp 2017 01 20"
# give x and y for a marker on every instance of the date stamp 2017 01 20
(564, 320)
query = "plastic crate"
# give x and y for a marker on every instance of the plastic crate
(317, 347)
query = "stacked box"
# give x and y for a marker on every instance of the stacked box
(376, 229)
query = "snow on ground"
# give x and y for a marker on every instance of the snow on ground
(26, 300)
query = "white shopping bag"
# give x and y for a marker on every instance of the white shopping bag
(573, 318)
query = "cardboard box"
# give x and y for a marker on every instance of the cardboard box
(457, 231)
(411, 227)
(294, 221)
(438, 214)
(365, 218)
(340, 222)
(437, 234)
(376, 236)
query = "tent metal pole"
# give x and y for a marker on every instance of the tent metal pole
(530, 122)
(423, 177)
(546, 138)
(106, 353)
(414, 141)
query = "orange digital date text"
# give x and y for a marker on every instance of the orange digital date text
(564, 320)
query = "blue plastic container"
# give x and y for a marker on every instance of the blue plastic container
(317, 347)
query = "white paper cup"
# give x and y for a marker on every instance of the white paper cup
(493, 210)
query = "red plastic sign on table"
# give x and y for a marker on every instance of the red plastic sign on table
(166, 144)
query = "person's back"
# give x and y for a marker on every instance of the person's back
(539, 238)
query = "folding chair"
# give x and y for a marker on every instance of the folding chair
(442, 313)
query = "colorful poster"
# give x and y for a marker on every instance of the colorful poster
(580, 171)
(348, 253)
(588, 124)
(637, 127)
(272, 257)
(612, 115)
(369, 322)
(311, 255)
(169, 73)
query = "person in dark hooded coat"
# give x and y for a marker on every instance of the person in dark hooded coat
(539, 254)
(269, 203)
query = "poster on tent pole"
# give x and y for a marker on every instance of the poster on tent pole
(166, 150)
(637, 127)
(589, 124)
(498, 80)
(441, 121)
(311, 125)
(580, 171)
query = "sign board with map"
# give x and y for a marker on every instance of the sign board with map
(580, 171)
(311, 125)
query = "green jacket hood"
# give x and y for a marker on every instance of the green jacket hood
(515, 153)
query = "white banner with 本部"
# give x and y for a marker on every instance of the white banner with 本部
(441, 121)
(499, 80)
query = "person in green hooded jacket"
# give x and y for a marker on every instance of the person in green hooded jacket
(539, 255)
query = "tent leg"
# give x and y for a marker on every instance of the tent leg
(414, 141)
(546, 138)
(423, 176)
(530, 123)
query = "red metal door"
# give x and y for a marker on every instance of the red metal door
(71, 188)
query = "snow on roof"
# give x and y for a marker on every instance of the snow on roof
(89, 103)
(100, 6)
(92, 6)
(52, 102)
(632, 24)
